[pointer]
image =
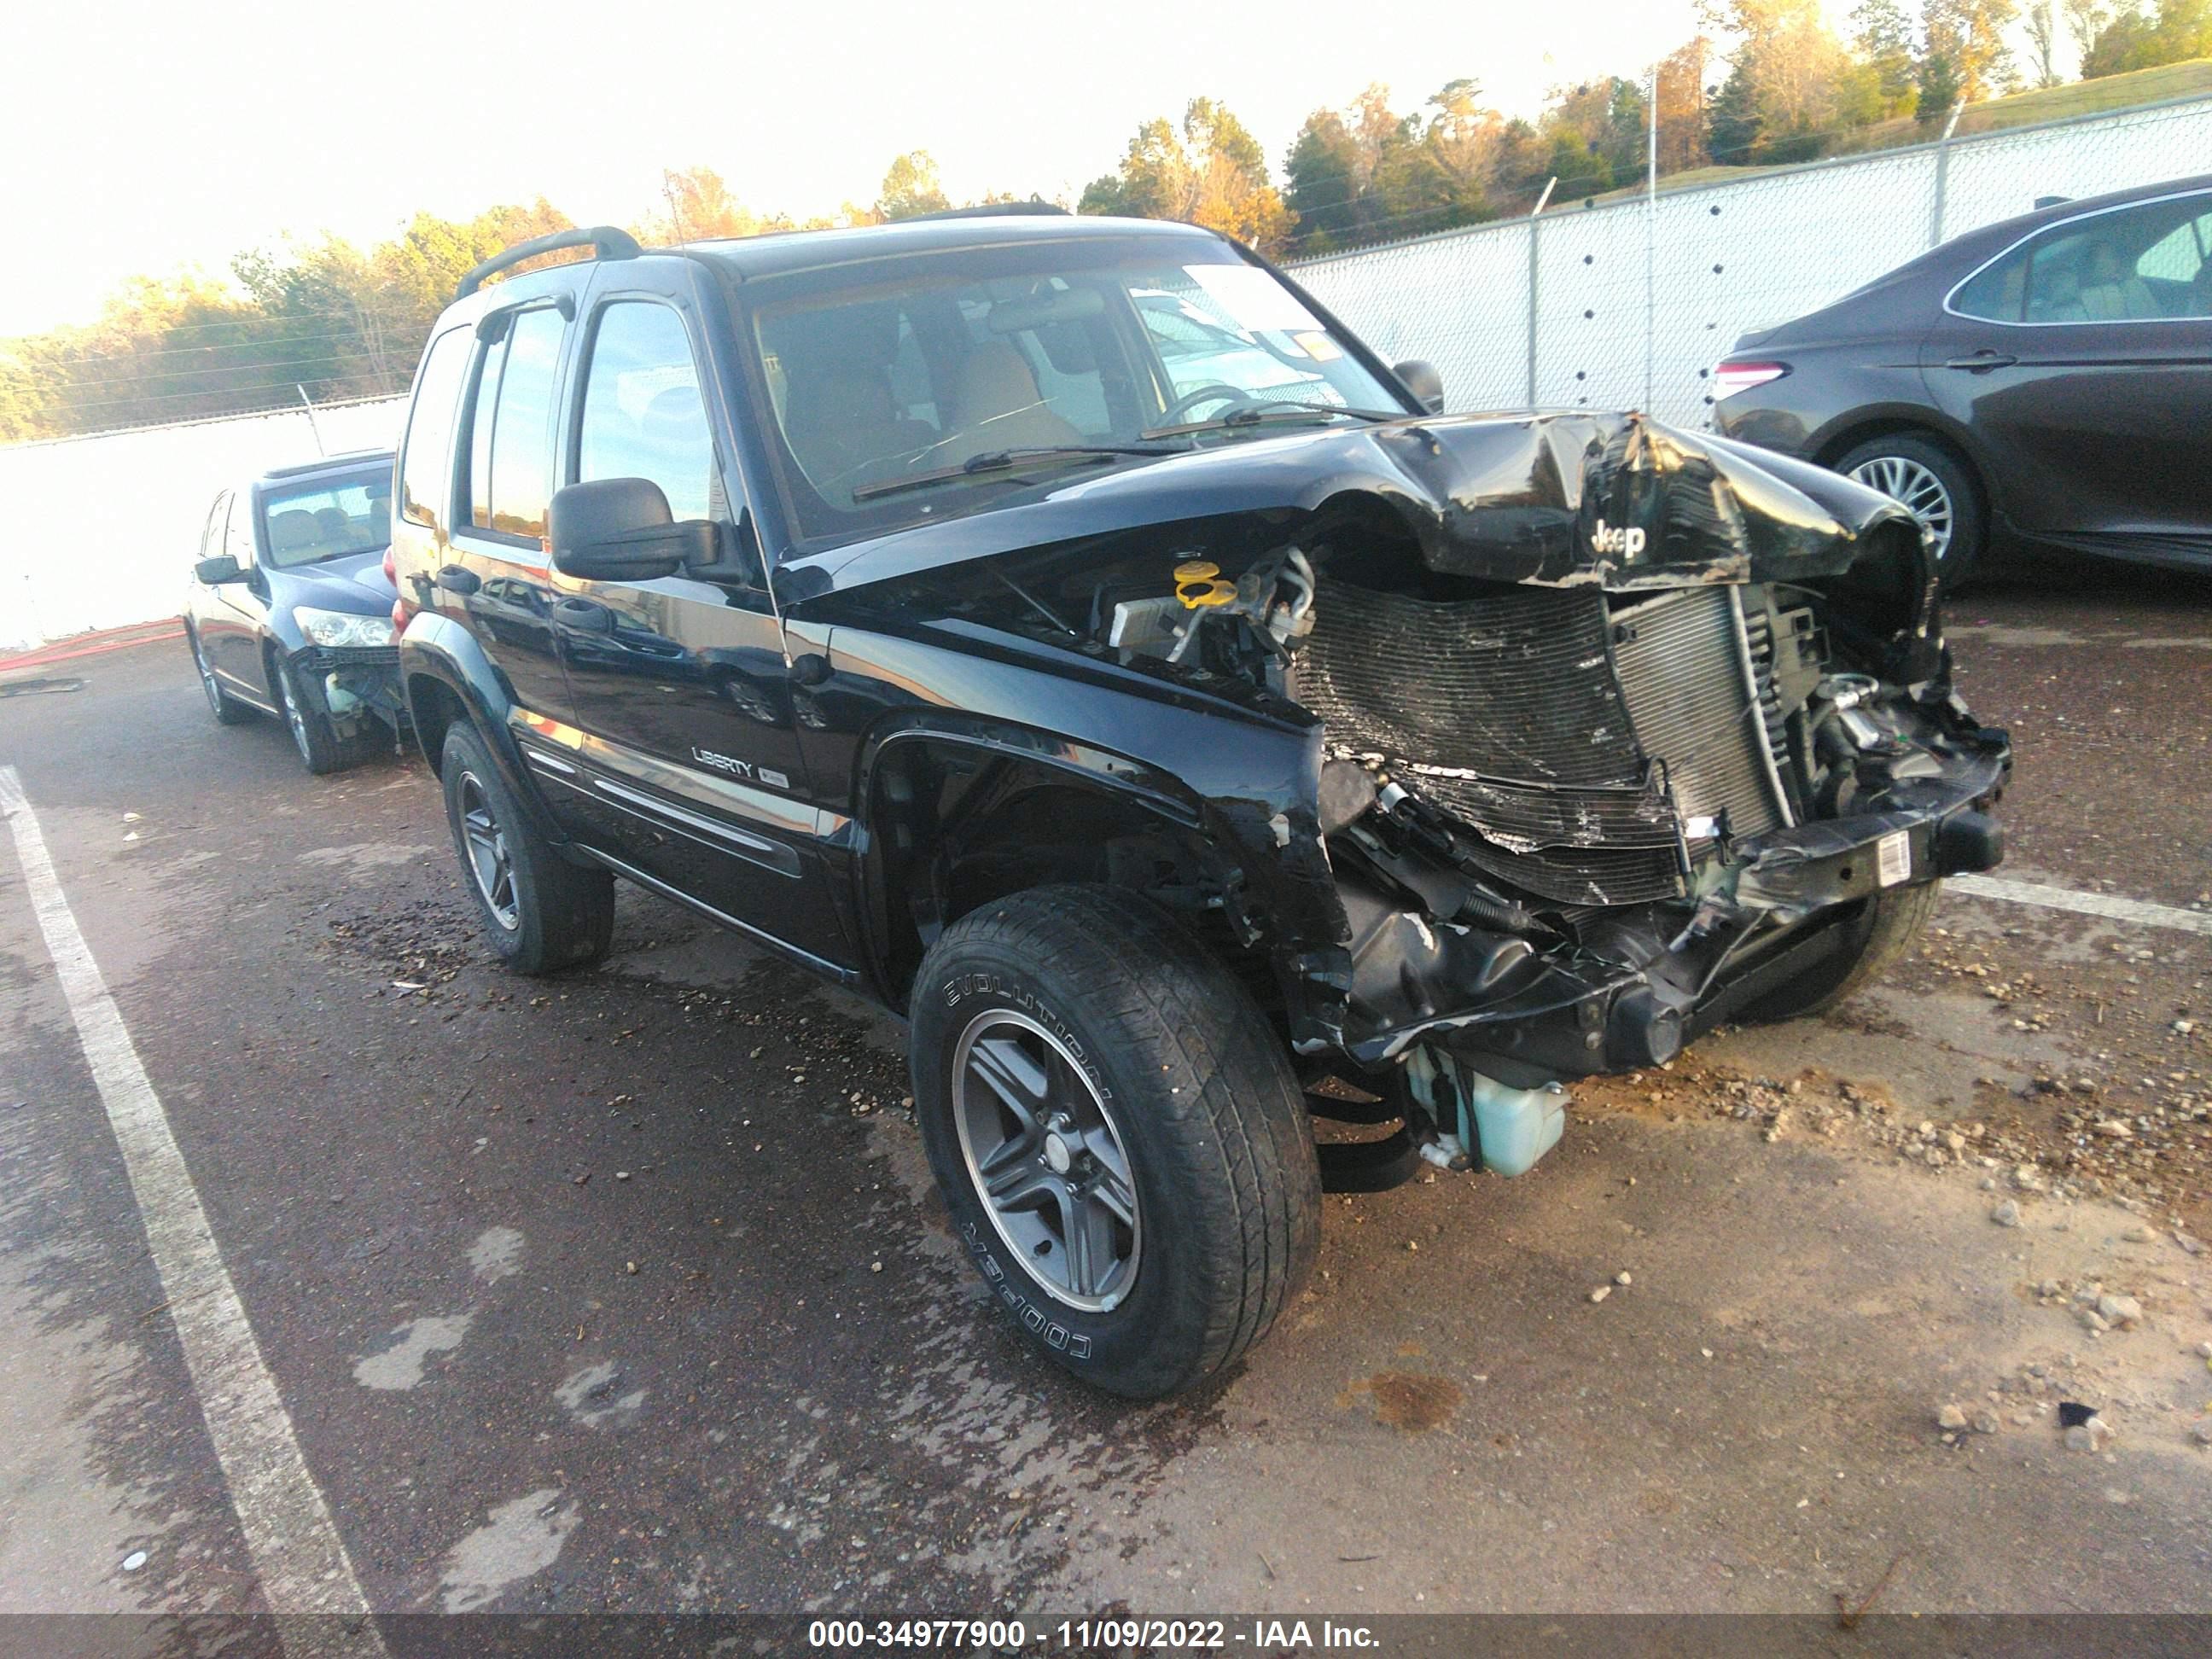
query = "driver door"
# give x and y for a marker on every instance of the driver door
(689, 768)
(238, 612)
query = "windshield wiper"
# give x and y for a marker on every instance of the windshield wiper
(1275, 410)
(1002, 460)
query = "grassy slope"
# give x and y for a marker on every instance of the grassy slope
(2150, 85)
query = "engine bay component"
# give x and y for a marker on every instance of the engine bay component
(1520, 731)
(1198, 584)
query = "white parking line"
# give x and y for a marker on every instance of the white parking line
(2139, 911)
(296, 1551)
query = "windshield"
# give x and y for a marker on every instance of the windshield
(889, 379)
(329, 517)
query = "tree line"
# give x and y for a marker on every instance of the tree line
(1763, 82)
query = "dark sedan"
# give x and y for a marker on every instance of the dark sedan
(289, 611)
(2041, 384)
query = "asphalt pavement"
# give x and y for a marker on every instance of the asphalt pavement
(627, 1290)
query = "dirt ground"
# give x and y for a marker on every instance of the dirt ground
(628, 1292)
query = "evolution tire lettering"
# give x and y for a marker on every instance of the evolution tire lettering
(960, 989)
(1034, 1319)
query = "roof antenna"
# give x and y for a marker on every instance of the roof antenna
(314, 425)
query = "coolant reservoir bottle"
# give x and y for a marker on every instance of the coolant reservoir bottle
(1513, 1127)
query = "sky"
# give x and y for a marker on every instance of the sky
(147, 136)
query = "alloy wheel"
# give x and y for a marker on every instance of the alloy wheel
(207, 676)
(1919, 490)
(1048, 1160)
(296, 716)
(490, 861)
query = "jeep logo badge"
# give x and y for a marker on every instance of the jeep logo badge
(1606, 538)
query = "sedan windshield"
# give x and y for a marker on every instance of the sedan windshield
(328, 518)
(987, 372)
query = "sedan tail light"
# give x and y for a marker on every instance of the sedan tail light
(391, 567)
(1733, 376)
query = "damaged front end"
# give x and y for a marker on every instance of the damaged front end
(1617, 732)
(1577, 821)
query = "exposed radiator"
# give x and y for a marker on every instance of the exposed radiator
(1686, 668)
(1535, 717)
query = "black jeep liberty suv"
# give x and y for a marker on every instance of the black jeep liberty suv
(1064, 631)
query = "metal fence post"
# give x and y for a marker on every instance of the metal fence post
(1534, 214)
(1942, 174)
(1532, 311)
(1650, 237)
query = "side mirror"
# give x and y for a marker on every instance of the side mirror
(1422, 380)
(620, 530)
(219, 569)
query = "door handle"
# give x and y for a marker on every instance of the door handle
(1982, 360)
(458, 579)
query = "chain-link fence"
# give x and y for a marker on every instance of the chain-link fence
(102, 529)
(1629, 304)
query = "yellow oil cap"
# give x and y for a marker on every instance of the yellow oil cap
(1198, 584)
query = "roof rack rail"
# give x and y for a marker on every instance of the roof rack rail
(604, 240)
(1030, 209)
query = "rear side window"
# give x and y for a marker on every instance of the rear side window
(426, 467)
(1996, 294)
(511, 468)
(642, 417)
(2143, 264)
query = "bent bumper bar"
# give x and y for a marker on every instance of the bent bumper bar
(1633, 997)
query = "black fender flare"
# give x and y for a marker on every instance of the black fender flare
(1269, 848)
(1085, 766)
(440, 649)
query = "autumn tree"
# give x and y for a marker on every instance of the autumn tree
(1781, 100)
(2085, 22)
(2042, 43)
(1883, 34)
(1939, 86)
(1681, 93)
(1970, 35)
(1736, 121)
(911, 188)
(1368, 172)
(1208, 171)
(1603, 120)
(2178, 31)
(1324, 177)
(696, 206)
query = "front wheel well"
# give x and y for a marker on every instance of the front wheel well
(436, 706)
(1851, 437)
(953, 826)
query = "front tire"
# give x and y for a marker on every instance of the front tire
(321, 748)
(1938, 488)
(1118, 1134)
(1879, 937)
(541, 913)
(226, 708)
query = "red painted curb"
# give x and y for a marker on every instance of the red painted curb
(113, 639)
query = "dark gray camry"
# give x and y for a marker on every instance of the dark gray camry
(289, 610)
(2041, 384)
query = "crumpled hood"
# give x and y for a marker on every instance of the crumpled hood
(353, 583)
(1610, 499)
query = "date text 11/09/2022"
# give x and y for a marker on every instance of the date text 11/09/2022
(1086, 1635)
